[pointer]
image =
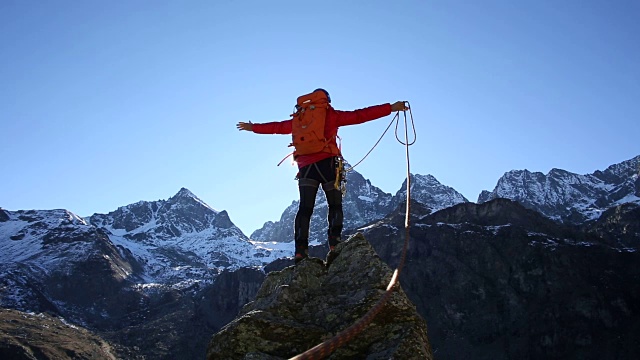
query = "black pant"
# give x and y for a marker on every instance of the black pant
(309, 179)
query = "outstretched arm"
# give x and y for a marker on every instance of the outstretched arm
(278, 127)
(370, 113)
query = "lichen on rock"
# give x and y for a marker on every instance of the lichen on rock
(303, 305)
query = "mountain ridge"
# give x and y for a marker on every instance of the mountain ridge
(363, 203)
(501, 281)
(172, 272)
(569, 197)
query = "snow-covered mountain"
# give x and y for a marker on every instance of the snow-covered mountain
(362, 204)
(427, 190)
(173, 242)
(185, 235)
(149, 268)
(56, 247)
(152, 275)
(565, 196)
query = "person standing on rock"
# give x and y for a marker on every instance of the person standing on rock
(314, 129)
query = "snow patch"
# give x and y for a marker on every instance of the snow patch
(631, 198)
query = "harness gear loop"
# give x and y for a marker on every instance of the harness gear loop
(324, 349)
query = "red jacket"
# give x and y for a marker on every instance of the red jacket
(335, 119)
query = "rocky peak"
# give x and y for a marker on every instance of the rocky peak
(427, 190)
(184, 193)
(301, 306)
(569, 197)
(363, 203)
(181, 214)
(620, 172)
(186, 198)
(4, 215)
(183, 234)
(223, 221)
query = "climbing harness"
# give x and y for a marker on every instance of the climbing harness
(324, 349)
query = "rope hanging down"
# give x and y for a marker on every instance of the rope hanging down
(395, 119)
(326, 348)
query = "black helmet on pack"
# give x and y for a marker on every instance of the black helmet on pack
(325, 92)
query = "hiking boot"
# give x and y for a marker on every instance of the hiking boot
(300, 257)
(301, 254)
(333, 242)
(332, 255)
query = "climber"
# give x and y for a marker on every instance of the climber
(314, 129)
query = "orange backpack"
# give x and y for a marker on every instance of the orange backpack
(307, 125)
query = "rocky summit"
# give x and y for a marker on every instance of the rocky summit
(301, 306)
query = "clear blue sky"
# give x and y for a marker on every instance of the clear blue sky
(105, 103)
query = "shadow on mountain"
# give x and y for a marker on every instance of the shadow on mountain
(499, 281)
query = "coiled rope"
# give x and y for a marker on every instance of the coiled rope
(395, 119)
(325, 349)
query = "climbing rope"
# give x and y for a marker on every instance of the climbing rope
(395, 119)
(324, 349)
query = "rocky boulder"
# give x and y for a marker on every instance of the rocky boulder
(301, 306)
